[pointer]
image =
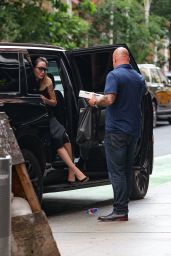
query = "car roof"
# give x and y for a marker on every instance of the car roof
(147, 66)
(7, 45)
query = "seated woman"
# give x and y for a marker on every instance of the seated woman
(58, 133)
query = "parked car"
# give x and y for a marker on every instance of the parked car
(160, 90)
(82, 69)
(168, 75)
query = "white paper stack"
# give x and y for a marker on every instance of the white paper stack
(88, 95)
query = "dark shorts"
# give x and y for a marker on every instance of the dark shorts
(58, 133)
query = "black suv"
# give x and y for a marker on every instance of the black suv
(83, 69)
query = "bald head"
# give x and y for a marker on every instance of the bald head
(120, 56)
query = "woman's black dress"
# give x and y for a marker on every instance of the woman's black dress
(57, 130)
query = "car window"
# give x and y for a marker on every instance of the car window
(29, 75)
(9, 72)
(155, 78)
(92, 69)
(168, 75)
(54, 71)
(145, 74)
(162, 77)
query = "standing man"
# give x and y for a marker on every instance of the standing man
(123, 93)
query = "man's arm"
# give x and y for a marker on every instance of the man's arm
(104, 101)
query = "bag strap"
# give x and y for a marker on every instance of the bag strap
(97, 118)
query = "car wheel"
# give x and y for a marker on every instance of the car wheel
(143, 163)
(34, 172)
(154, 115)
(140, 184)
(141, 173)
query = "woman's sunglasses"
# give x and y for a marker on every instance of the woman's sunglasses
(42, 69)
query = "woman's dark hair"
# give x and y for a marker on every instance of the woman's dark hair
(37, 60)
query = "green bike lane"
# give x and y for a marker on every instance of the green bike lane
(161, 170)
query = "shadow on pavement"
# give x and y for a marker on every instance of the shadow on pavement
(56, 206)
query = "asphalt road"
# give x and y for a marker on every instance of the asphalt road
(162, 139)
(79, 233)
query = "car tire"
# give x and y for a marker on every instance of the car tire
(141, 174)
(154, 114)
(140, 184)
(34, 172)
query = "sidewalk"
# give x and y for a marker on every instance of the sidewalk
(148, 231)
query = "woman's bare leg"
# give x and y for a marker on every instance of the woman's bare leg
(71, 175)
(68, 148)
(63, 153)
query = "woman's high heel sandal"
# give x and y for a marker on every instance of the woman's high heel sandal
(83, 181)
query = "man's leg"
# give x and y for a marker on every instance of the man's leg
(132, 143)
(116, 148)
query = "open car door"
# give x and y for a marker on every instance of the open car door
(89, 68)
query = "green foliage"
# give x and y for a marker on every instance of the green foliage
(61, 6)
(34, 28)
(112, 21)
(22, 21)
(86, 6)
(124, 22)
(162, 8)
(67, 31)
(8, 32)
(27, 21)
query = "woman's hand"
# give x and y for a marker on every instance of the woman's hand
(44, 99)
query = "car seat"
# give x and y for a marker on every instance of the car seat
(59, 109)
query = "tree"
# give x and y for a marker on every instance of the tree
(67, 31)
(108, 22)
(23, 21)
(125, 22)
(147, 4)
(28, 21)
(162, 8)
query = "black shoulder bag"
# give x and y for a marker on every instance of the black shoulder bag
(84, 132)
